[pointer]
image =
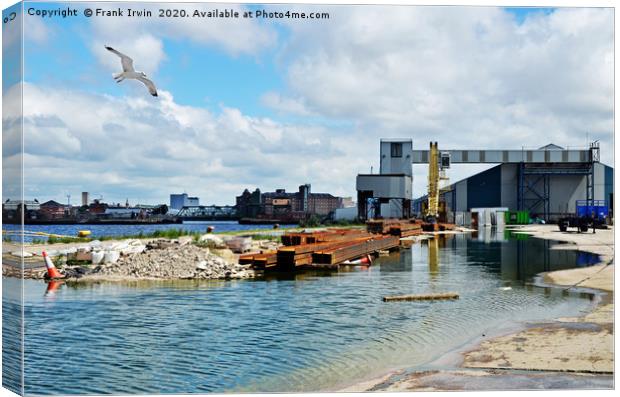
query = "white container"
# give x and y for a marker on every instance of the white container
(111, 256)
(97, 257)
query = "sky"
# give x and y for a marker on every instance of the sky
(276, 103)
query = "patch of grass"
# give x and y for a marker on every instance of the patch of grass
(174, 233)
(312, 221)
(66, 240)
(170, 234)
(74, 262)
(268, 237)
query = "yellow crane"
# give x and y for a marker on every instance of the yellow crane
(436, 173)
(433, 182)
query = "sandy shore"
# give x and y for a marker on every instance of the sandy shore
(558, 354)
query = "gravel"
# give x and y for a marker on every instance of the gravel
(169, 260)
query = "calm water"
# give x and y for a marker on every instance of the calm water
(124, 230)
(305, 332)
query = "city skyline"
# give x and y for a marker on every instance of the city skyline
(279, 102)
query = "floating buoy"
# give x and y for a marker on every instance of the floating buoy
(52, 272)
(83, 233)
(364, 260)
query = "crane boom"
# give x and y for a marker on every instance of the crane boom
(433, 181)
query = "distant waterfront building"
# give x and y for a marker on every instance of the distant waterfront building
(54, 210)
(178, 201)
(97, 207)
(348, 202)
(12, 210)
(286, 206)
(84, 198)
(249, 204)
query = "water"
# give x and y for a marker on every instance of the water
(98, 230)
(287, 333)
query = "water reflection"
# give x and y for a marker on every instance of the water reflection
(516, 257)
(433, 255)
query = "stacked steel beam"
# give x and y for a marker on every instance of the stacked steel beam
(406, 229)
(300, 255)
(260, 261)
(331, 247)
(352, 250)
(381, 226)
(291, 239)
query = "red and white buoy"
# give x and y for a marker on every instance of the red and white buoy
(52, 272)
(364, 260)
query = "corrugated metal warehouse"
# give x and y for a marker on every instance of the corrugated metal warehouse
(549, 192)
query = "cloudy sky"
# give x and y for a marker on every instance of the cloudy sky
(277, 103)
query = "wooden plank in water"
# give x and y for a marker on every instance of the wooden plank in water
(420, 297)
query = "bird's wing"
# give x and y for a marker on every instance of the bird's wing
(125, 60)
(149, 84)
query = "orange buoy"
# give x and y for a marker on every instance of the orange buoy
(52, 272)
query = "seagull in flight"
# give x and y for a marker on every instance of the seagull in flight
(130, 73)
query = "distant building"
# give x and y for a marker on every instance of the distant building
(97, 207)
(249, 204)
(286, 206)
(178, 201)
(54, 210)
(120, 212)
(348, 202)
(84, 198)
(12, 210)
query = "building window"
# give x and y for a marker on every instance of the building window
(397, 149)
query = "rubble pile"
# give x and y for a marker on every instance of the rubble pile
(170, 260)
(182, 258)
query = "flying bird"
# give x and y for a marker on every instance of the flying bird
(130, 73)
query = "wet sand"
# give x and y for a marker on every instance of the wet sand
(563, 353)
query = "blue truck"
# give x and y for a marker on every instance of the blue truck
(588, 213)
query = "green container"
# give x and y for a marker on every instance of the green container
(517, 217)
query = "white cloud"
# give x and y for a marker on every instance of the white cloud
(37, 31)
(143, 37)
(146, 149)
(468, 77)
(146, 51)
(284, 104)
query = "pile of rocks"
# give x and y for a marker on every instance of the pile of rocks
(169, 259)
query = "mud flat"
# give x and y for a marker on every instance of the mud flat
(564, 353)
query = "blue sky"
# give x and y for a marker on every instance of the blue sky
(238, 80)
(186, 62)
(277, 103)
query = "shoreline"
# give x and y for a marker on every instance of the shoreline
(527, 355)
